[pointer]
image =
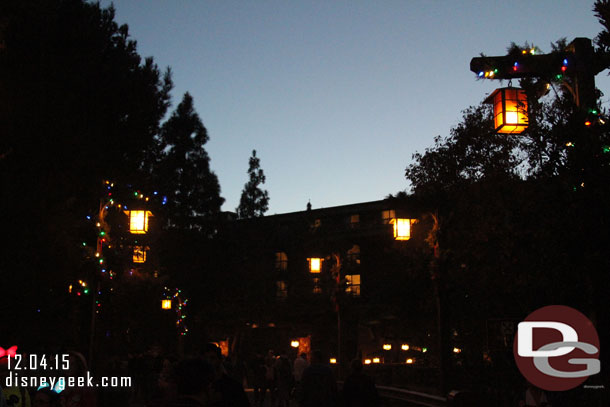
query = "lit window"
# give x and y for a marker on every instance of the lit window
(281, 290)
(166, 304)
(315, 264)
(354, 221)
(353, 284)
(281, 261)
(317, 288)
(138, 221)
(402, 228)
(387, 216)
(139, 254)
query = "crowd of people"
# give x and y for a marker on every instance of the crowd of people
(208, 379)
(204, 379)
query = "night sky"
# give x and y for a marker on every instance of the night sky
(335, 96)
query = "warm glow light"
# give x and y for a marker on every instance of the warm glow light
(376, 360)
(512, 118)
(409, 361)
(139, 254)
(402, 228)
(166, 304)
(333, 361)
(510, 110)
(387, 346)
(315, 264)
(138, 221)
(294, 344)
(367, 361)
(457, 350)
(404, 346)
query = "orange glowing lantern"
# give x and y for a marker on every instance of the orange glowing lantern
(315, 264)
(402, 228)
(166, 304)
(139, 254)
(510, 110)
(138, 221)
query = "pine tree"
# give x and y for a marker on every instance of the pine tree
(183, 169)
(78, 105)
(254, 201)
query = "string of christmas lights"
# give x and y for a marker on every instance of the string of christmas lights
(109, 202)
(174, 300)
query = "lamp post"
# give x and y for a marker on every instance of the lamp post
(578, 61)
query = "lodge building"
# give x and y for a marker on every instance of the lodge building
(352, 280)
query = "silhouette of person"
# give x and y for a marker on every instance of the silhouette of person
(45, 397)
(194, 379)
(318, 384)
(359, 389)
(227, 392)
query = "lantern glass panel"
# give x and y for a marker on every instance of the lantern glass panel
(315, 264)
(138, 222)
(402, 229)
(510, 110)
(139, 254)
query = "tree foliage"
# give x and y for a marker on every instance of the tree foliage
(522, 222)
(254, 201)
(182, 170)
(78, 105)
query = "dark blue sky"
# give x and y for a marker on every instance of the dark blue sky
(335, 96)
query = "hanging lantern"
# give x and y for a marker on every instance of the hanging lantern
(315, 264)
(139, 254)
(138, 221)
(402, 228)
(166, 304)
(510, 110)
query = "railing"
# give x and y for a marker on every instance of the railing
(413, 398)
(408, 397)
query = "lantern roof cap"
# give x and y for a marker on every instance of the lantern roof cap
(148, 213)
(490, 99)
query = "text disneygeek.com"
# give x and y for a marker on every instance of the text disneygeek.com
(17, 380)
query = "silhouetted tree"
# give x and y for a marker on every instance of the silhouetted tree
(254, 201)
(183, 170)
(505, 205)
(77, 105)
